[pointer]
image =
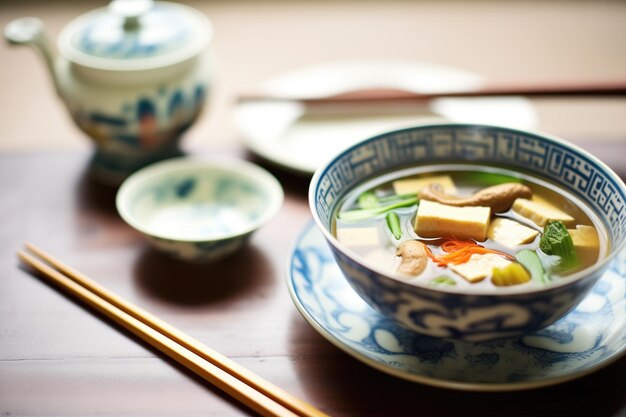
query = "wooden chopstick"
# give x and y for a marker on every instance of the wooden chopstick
(245, 386)
(382, 95)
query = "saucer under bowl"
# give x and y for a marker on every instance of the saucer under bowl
(590, 337)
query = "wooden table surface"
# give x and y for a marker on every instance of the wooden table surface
(57, 358)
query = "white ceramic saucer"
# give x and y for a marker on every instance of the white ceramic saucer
(294, 137)
(589, 338)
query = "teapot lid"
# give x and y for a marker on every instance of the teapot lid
(135, 35)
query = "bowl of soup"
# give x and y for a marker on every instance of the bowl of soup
(470, 232)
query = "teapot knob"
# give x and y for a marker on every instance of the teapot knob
(130, 10)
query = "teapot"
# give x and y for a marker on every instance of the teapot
(134, 76)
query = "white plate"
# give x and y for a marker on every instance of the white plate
(300, 140)
(587, 339)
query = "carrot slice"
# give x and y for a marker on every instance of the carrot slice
(460, 251)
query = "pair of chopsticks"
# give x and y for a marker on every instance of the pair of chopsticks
(237, 381)
(614, 88)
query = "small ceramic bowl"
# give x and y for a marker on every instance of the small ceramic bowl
(449, 312)
(199, 209)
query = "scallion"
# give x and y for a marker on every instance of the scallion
(364, 214)
(368, 200)
(395, 197)
(442, 281)
(393, 223)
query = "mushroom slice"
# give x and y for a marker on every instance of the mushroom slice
(414, 258)
(499, 197)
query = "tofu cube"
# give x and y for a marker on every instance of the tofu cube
(415, 185)
(358, 236)
(439, 220)
(510, 233)
(479, 266)
(586, 242)
(540, 212)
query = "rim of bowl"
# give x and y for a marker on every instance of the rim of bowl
(244, 169)
(512, 290)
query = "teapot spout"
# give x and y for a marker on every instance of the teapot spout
(30, 31)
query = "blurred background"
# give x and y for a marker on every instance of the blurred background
(503, 41)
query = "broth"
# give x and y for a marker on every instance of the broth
(444, 249)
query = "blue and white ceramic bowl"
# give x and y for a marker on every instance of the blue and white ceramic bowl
(448, 312)
(199, 209)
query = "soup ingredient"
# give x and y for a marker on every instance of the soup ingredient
(381, 257)
(512, 274)
(586, 242)
(499, 197)
(478, 267)
(393, 223)
(364, 214)
(415, 185)
(452, 243)
(530, 260)
(557, 241)
(442, 281)
(549, 262)
(441, 220)
(395, 198)
(488, 178)
(510, 233)
(414, 257)
(460, 251)
(540, 212)
(358, 236)
(368, 200)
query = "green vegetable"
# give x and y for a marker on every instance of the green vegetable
(368, 200)
(442, 281)
(557, 241)
(395, 197)
(549, 262)
(530, 260)
(393, 223)
(363, 214)
(489, 178)
(511, 274)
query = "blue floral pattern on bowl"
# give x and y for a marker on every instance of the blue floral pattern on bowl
(446, 313)
(588, 338)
